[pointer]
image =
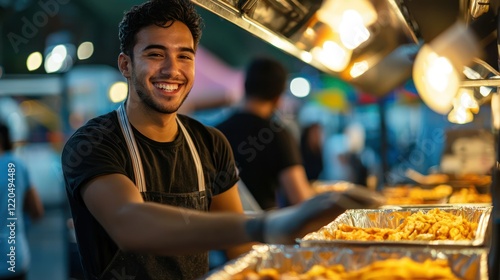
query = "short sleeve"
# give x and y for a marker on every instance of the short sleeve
(287, 150)
(91, 152)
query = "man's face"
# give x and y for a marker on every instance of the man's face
(162, 71)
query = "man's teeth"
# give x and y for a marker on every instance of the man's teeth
(167, 87)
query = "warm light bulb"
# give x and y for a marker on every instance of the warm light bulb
(85, 50)
(439, 72)
(466, 99)
(118, 92)
(460, 115)
(34, 61)
(333, 55)
(359, 68)
(349, 18)
(306, 56)
(352, 30)
(435, 68)
(436, 80)
(332, 10)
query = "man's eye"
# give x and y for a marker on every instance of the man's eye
(154, 54)
(186, 57)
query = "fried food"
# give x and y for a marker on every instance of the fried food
(405, 195)
(469, 195)
(404, 268)
(435, 193)
(474, 179)
(433, 225)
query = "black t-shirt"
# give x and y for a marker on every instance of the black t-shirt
(99, 148)
(262, 149)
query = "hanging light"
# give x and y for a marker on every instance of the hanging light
(437, 65)
(349, 19)
(333, 55)
(466, 99)
(460, 115)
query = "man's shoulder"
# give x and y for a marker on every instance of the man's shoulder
(106, 122)
(96, 129)
(238, 119)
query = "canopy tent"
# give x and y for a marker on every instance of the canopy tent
(216, 83)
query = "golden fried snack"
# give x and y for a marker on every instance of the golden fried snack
(469, 195)
(416, 195)
(404, 268)
(435, 193)
(433, 225)
(396, 191)
(474, 179)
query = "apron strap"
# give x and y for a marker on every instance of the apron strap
(196, 157)
(136, 157)
(132, 148)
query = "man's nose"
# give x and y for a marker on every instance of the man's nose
(170, 66)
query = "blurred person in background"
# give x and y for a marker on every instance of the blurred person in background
(311, 149)
(19, 204)
(267, 154)
(141, 180)
(347, 158)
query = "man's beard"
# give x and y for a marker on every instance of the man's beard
(156, 106)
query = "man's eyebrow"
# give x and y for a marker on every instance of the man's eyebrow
(187, 49)
(161, 47)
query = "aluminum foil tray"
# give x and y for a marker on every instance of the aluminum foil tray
(467, 264)
(392, 218)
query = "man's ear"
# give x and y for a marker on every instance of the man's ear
(125, 65)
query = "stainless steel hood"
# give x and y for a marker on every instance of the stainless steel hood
(379, 64)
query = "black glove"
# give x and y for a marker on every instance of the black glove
(283, 226)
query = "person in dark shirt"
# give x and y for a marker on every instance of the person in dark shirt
(311, 148)
(267, 154)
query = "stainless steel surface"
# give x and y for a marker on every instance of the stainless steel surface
(387, 57)
(469, 264)
(229, 10)
(293, 27)
(481, 82)
(479, 7)
(392, 218)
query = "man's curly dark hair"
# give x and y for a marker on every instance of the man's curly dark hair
(162, 13)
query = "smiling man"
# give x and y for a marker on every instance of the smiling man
(142, 180)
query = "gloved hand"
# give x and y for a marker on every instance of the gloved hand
(283, 226)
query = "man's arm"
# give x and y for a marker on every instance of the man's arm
(154, 228)
(229, 201)
(139, 226)
(294, 181)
